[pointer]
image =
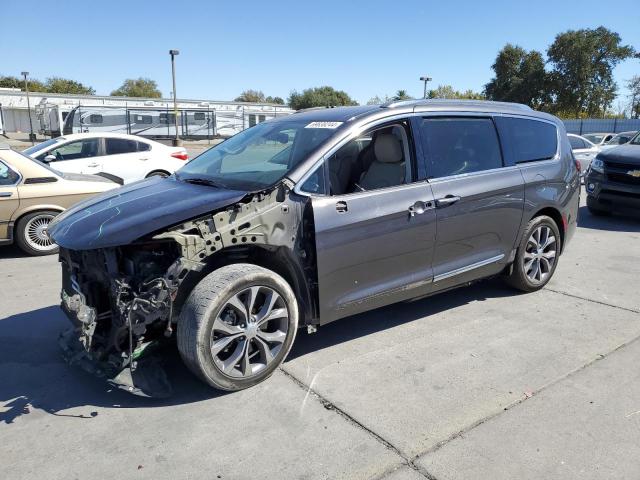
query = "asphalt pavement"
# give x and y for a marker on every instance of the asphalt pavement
(477, 383)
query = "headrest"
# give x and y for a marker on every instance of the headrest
(387, 148)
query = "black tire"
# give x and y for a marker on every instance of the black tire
(519, 278)
(208, 300)
(21, 234)
(158, 173)
(593, 208)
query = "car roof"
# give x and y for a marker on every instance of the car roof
(630, 132)
(77, 136)
(346, 114)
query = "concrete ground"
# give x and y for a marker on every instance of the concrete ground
(477, 383)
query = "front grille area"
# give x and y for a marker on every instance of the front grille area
(618, 172)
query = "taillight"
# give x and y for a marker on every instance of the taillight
(578, 166)
(180, 155)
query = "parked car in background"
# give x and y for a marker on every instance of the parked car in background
(583, 150)
(122, 158)
(598, 138)
(374, 205)
(613, 180)
(32, 194)
(619, 139)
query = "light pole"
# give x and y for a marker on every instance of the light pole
(173, 53)
(32, 137)
(426, 80)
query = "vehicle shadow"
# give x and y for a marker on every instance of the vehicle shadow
(347, 329)
(11, 251)
(613, 223)
(34, 375)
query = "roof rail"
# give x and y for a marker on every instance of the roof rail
(445, 101)
(310, 109)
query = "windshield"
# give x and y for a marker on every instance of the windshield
(594, 137)
(40, 146)
(259, 156)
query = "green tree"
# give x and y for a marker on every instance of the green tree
(402, 95)
(378, 100)
(15, 82)
(64, 85)
(251, 96)
(139, 87)
(447, 91)
(582, 63)
(276, 100)
(634, 96)
(520, 77)
(319, 97)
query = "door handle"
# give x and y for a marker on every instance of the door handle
(5, 194)
(143, 159)
(420, 207)
(341, 207)
(446, 201)
(92, 164)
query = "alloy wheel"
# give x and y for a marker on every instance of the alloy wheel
(540, 254)
(249, 331)
(35, 233)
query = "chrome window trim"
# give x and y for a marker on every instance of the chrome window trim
(468, 268)
(14, 171)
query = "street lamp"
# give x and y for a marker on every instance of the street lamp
(425, 79)
(32, 137)
(173, 53)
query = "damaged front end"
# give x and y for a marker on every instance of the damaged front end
(120, 301)
(124, 300)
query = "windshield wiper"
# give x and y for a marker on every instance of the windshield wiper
(203, 181)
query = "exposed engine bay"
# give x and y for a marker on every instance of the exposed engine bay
(124, 301)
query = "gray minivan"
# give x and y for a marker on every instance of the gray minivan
(306, 219)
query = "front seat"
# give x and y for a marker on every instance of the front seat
(388, 169)
(340, 167)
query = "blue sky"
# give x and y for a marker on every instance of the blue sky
(366, 48)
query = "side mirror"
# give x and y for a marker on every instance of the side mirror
(49, 158)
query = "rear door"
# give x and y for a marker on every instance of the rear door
(9, 200)
(478, 199)
(124, 160)
(76, 156)
(375, 227)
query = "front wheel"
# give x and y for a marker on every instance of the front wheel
(537, 255)
(31, 233)
(237, 326)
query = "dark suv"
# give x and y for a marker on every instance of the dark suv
(306, 219)
(613, 179)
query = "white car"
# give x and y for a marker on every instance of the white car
(620, 139)
(119, 157)
(583, 150)
(598, 138)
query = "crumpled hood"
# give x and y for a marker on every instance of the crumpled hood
(123, 215)
(628, 154)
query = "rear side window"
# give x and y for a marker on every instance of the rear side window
(143, 147)
(116, 146)
(530, 140)
(7, 176)
(576, 143)
(454, 146)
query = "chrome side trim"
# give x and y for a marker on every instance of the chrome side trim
(468, 268)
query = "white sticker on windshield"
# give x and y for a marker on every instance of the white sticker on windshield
(330, 125)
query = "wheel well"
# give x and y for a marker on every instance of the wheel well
(37, 210)
(157, 171)
(557, 217)
(278, 259)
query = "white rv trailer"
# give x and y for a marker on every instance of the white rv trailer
(152, 117)
(158, 123)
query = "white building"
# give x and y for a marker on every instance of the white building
(55, 114)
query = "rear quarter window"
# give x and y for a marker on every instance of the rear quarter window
(528, 140)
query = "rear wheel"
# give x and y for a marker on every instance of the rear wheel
(237, 326)
(31, 233)
(537, 255)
